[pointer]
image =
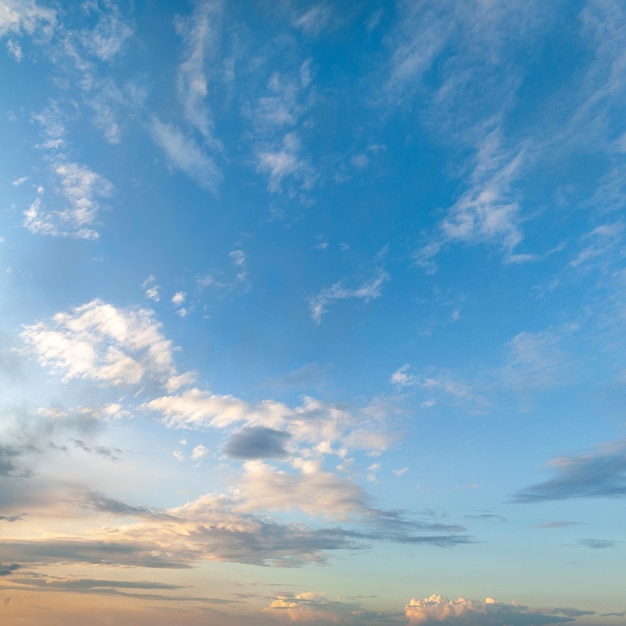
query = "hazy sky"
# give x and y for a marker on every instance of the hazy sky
(312, 312)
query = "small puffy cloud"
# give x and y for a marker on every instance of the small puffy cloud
(82, 190)
(151, 288)
(20, 181)
(369, 290)
(199, 452)
(179, 298)
(97, 341)
(257, 442)
(438, 609)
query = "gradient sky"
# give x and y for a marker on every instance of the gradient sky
(312, 312)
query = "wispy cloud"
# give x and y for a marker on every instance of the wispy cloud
(442, 384)
(285, 161)
(370, 289)
(200, 34)
(82, 190)
(315, 20)
(17, 16)
(488, 212)
(600, 474)
(185, 154)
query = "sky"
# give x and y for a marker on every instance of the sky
(312, 312)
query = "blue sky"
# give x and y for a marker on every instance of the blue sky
(312, 312)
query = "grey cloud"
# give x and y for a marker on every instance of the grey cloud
(487, 517)
(5, 570)
(601, 474)
(257, 442)
(108, 453)
(94, 552)
(12, 518)
(563, 524)
(104, 504)
(598, 544)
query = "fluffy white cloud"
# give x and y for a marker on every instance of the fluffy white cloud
(438, 609)
(310, 424)
(100, 342)
(312, 490)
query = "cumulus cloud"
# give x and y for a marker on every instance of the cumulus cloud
(97, 341)
(312, 490)
(438, 609)
(599, 474)
(311, 423)
(82, 190)
(370, 289)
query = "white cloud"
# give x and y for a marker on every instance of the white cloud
(82, 190)
(20, 181)
(107, 39)
(239, 260)
(285, 162)
(200, 36)
(25, 15)
(309, 424)
(199, 452)
(536, 360)
(97, 341)
(185, 154)
(15, 50)
(438, 609)
(151, 288)
(178, 298)
(443, 384)
(368, 290)
(315, 19)
(317, 493)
